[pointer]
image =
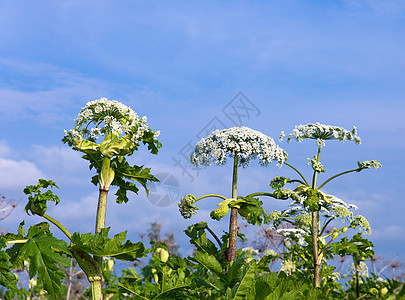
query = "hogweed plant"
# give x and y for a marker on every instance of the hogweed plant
(106, 132)
(242, 145)
(311, 205)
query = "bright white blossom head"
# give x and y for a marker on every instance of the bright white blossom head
(242, 141)
(105, 117)
(321, 133)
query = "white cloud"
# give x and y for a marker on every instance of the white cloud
(59, 160)
(4, 148)
(76, 215)
(389, 232)
(17, 174)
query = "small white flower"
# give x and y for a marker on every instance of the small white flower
(247, 143)
(103, 116)
(98, 109)
(322, 132)
(250, 250)
(287, 266)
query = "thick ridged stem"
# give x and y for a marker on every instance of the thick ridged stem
(233, 223)
(97, 289)
(314, 217)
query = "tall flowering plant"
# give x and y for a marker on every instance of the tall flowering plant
(241, 145)
(310, 204)
(105, 132)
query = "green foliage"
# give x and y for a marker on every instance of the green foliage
(123, 173)
(37, 200)
(161, 279)
(7, 279)
(357, 246)
(249, 208)
(44, 253)
(101, 245)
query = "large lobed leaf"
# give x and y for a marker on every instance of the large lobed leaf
(101, 245)
(43, 252)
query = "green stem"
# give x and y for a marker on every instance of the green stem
(106, 177)
(299, 173)
(233, 222)
(324, 226)
(210, 195)
(101, 210)
(315, 248)
(17, 242)
(357, 280)
(337, 175)
(296, 180)
(59, 225)
(315, 229)
(315, 172)
(214, 235)
(96, 288)
(262, 194)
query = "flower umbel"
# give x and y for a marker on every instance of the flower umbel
(242, 141)
(118, 123)
(187, 207)
(322, 132)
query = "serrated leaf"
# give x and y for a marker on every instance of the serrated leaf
(235, 269)
(241, 290)
(211, 263)
(7, 279)
(101, 245)
(44, 261)
(251, 210)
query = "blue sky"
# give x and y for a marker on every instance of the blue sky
(181, 63)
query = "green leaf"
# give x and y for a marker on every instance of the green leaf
(7, 279)
(101, 245)
(122, 171)
(113, 145)
(211, 263)
(44, 261)
(199, 239)
(86, 146)
(251, 210)
(241, 290)
(222, 210)
(235, 269)
(37, 201)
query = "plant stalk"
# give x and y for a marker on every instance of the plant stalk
(233, 223)
(96, 289)
(315, 225)
(59, 225)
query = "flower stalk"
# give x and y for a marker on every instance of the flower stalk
(233, 222)
(308, 198)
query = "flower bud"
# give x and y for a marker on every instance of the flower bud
(162, 253)
(37, 210)
(383, 291)
(155, 275)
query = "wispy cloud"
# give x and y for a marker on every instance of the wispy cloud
(17, 174)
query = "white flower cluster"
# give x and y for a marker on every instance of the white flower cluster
(321, 133)
(244, 142)
(292, 234)
(287, 266)
(108, 116)
(250, 250)
(363, 269)
(338, 208)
